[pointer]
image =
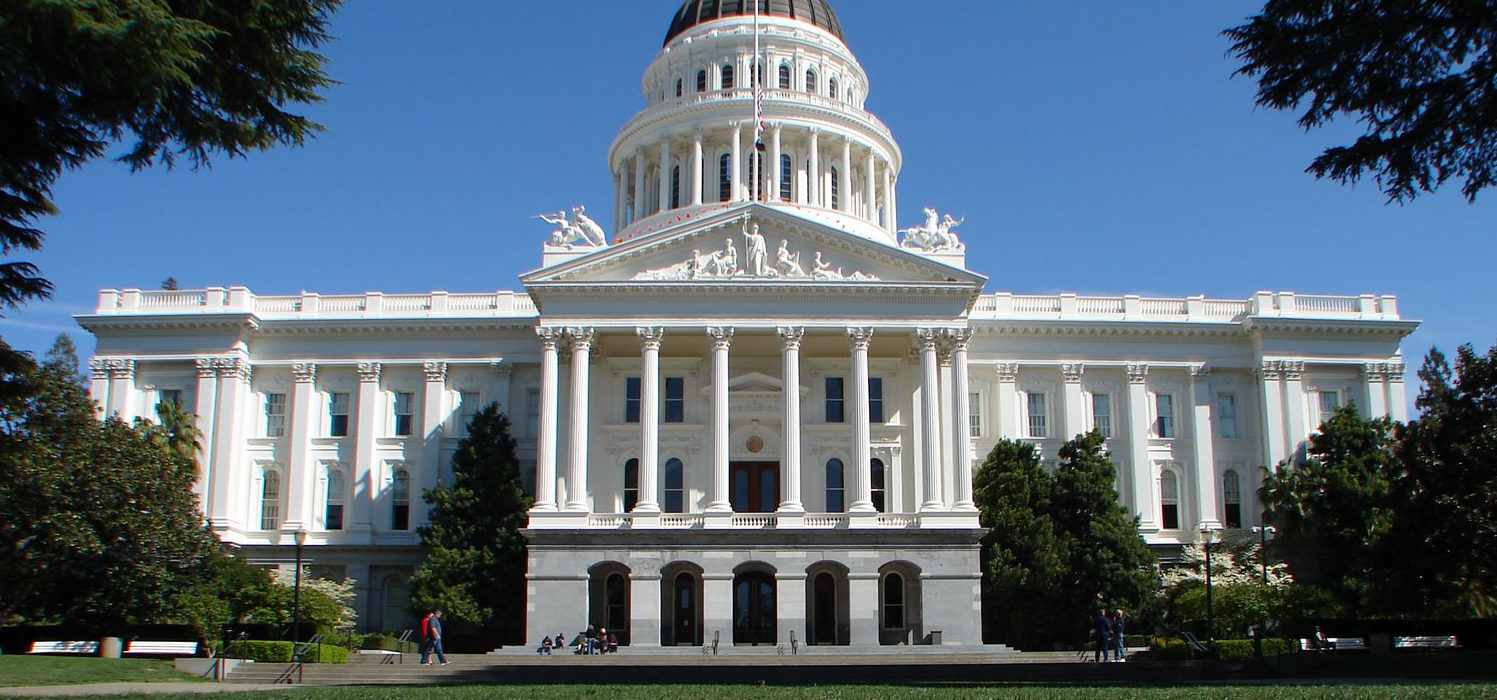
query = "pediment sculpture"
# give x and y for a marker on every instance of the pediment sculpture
(936, 235)
(575, 231)
(724, 263)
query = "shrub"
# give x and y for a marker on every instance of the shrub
(1238, 649)
(280, 652)
(388, 642)
(1163, 649)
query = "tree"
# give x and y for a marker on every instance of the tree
(1446, 494)
(1240, 595)
(180, 78)
(1023, 557)
(1335, 506)
(98, 524)
(475, 554)
(1417, 74)
(1107, 562)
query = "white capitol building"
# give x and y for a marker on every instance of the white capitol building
(754, 409)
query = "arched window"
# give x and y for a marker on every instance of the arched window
(332, 511)
(678, 87)
(676, 187)
(400, 499)
(836, 189)
(1232, 499)
(893, 601)
(1169, 500)
(811, 81)
(727, 82)
(675, 487)
(701, 81)
(631, 484)
(831, 88)
(835, 493)
(270, 499)
(787, 175)
(725, 178)
(784, 76)
(877, 482)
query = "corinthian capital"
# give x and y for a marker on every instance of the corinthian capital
(722, 336)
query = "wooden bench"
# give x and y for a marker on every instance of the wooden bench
(1449, 642)
(177, 649)
(89, 648)
(1336, 644)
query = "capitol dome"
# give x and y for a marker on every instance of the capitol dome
(694, 12)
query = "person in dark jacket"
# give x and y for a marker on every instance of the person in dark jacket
(1102, 629)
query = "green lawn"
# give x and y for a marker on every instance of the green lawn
(671, 692)
(63, 670)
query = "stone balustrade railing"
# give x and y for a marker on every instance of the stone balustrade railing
(240, 300)
(746, 521)
(1132, 307)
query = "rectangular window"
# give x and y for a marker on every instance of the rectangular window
(878, 482)
(974, 414)
(467, 408)
(836, 405)
(875, 399)
(1164, 416)
(532, 412)
(1102, 414)
(332, 517)
(275, 415)
(1226, 415)
(404, 413)
(170, 396)
(1038, 427)
(631, 399)
(270, 499)
(400, 499)
(1330, 402)
(337, 414)
(675, 400)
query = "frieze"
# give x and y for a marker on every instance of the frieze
(724, 263)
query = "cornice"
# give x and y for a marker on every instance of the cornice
(1264, 324)
(236, 322)
(1094, 327)
(393, 325)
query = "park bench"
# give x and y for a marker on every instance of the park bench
(1426, 643)
(1336, 644)
(88, 648)
(177, 649)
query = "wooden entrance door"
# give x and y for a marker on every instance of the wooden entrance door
(756, 486)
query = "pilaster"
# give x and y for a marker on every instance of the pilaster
(206, 409)
(433, 409)
(1295, 408)
(577, 466)
(1141, 468)
(365, 476)
(301, 475)
(1007, 375)
(1073, 400)
(1202, 432)
(1270, 382)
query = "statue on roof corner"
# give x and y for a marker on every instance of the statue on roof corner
(936, 235)
(578, 230)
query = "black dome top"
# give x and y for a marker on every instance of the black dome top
(694, 12)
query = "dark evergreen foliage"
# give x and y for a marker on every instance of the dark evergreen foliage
(1023, 558)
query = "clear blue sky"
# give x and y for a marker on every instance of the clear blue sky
(1097, 147)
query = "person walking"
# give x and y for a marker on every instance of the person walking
(1119, 623)
(431, 630)
(1102, 629)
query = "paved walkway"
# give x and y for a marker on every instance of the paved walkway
(60, 691)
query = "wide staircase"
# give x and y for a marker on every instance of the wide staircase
(749, 665)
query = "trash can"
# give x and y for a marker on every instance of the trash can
(110, 647)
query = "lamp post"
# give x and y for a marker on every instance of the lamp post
(1209, 532)
(301, 539)
(1263, 533)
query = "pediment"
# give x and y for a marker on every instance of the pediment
(754, 384)
(752, 245)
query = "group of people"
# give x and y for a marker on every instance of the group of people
(599, 641)
(431, 638)
(1108, 628)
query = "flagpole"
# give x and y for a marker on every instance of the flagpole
(756, 75)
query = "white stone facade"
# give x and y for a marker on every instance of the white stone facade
(745, 445)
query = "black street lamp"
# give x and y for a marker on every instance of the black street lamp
(301, 539)
(1263, 533)
(1210, 534)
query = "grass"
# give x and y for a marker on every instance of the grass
(63, 670)
(726, 692)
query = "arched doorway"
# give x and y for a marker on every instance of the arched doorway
(681, 605)
(900, 608)
(608, 599)
(754, 608)
(826, 604)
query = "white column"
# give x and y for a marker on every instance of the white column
(1398, 403)
(98, 386)
(1270, 375)
(930, 463)
(735, 175)
(665, 174)
(790, 491)
(1007, 374)
(639, 184)
(122, 388)
(870, 194)
(1202, 434)
(813, 171)
(862, 494)
(845, 177)
(432, 432)
(890, 225)
(545, 434)
(1297, 427)
(696, 169)
(1142, 469)
(962, 435)
(619, 201)
(365, 477)
(301, 474)
(577, 432)
(233, 384)
(1073, 401)
(205, 408)
(722, 339)
(1374, 377)
(649, 420)
(774, 162)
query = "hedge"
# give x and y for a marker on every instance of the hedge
(1164, 649)
(389, 642)
(280, 652)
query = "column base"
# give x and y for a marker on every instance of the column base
(948, 520)
(557, 521)
(790, 520)
(718, 519)
(644, 519)
(862, 520)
